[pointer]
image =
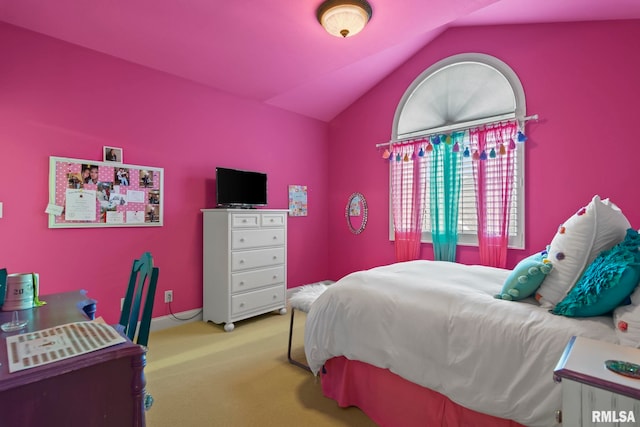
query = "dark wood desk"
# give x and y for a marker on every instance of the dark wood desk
(103, 388)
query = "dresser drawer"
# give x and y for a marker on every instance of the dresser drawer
(242, 220)
(245, 260)
(255, 300)
(257, 278)
(273, 219)
(244, 239)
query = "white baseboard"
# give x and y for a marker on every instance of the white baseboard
(164, 322)
(195, 315)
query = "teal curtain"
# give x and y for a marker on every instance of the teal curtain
(445, 180)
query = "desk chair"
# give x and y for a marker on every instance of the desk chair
(140, 294)
(3, 285)
(142, 284)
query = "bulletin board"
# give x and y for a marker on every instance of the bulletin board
(88, 193)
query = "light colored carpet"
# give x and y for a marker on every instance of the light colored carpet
(201, 376)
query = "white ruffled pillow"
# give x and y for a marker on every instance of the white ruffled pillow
(594, 228)
(626, 320)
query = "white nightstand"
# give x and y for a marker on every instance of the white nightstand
(592, 395)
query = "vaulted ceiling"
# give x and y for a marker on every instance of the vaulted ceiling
(274, 51)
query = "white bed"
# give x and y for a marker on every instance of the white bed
(437, 324)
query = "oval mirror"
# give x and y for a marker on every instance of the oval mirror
(356, 213)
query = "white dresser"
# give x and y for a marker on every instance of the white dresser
(592, 395)
(245, 264)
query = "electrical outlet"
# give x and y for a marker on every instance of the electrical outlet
(168, 296)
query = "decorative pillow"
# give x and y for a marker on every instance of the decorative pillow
(526, 277)
(627, 322)
(594, 228)
(607, 282)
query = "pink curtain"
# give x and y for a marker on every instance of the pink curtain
(493, 170)
(408, 189)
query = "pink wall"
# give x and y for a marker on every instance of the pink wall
(60, 100)
(580, 78)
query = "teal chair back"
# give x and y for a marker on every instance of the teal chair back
(138, 302)
(3, 285)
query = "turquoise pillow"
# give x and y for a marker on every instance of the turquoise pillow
(526, 277)
(606, 283)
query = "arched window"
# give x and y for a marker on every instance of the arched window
(459, 93)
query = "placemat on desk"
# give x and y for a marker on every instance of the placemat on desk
(39, 348)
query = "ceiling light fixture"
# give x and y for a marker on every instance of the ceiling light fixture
(344, 18)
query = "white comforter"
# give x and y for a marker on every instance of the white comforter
(437, 324)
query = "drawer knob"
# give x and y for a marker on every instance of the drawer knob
(271, 219)
(275, 296)
(275, 237)
(275, 257)
(241, 239)
(241, 261)
(244, 220)
(559, 416)
(242, 283)
(275, 276)
(241, 304)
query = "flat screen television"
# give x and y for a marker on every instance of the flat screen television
(240, 189)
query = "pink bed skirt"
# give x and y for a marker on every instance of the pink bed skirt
(391, 401)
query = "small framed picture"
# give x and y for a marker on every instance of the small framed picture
(112, 154)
